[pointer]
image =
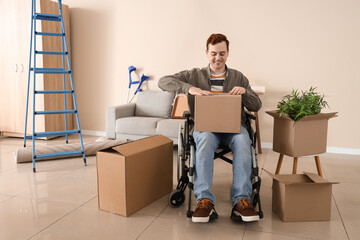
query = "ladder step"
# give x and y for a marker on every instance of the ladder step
(53, 53)
(58, 154)
(56, 133)
(50, 34)
(50, 70)
(54, 91)
(54, 112)
(53, 134)
(48, 17)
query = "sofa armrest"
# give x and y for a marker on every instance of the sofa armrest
(115, 112)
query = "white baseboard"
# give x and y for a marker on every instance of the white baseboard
(94, 133)
(351, 151)
(266, 145)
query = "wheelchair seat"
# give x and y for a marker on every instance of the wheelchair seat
(222, 151)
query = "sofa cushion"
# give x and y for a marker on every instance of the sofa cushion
(137, 125)
(154, 104)
(169, 127)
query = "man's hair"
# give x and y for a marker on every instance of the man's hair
(217, 38)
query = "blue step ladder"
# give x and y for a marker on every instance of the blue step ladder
(64, 71)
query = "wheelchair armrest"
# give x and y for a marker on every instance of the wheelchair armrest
(249, 115)
(186, 114)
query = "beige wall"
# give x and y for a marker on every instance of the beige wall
(282, 44)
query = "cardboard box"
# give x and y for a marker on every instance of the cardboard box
(132, 175)
(305, 137)
(218, 113)
(301, 197)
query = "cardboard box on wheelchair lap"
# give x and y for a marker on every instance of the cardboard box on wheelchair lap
(218, 113)
(133, 175)
(301, 197)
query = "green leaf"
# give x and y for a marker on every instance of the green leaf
(299, 104)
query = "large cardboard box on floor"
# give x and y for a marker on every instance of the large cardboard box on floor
(218, 113)
(133, 175)
(301, 197)
(305, 137)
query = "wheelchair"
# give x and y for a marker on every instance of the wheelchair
(185, 174)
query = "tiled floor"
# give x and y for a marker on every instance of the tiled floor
(59, 201)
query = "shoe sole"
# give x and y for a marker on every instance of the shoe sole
(213, 215)
(200, 219)
(237, 216)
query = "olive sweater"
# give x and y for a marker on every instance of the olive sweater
(200, 78)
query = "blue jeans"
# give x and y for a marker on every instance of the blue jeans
(206, 144)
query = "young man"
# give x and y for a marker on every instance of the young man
(217, 77)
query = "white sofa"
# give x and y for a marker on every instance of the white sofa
(150, 115)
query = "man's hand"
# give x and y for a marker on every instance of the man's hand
(237, 91)
(198, 91)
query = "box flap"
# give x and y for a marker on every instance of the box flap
(283, 178)
(272, 175)
(297, 179)
(275, 114)
(319, 116)
(317, 178)
(141, 145)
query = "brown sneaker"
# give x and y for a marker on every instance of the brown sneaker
(244, 211)
(204, 211)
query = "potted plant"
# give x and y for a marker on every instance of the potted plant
(300, 129)
(296, 105)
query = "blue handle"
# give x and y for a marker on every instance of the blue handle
(143, 79)
(131, 69)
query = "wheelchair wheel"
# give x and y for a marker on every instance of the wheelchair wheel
(176, 198)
